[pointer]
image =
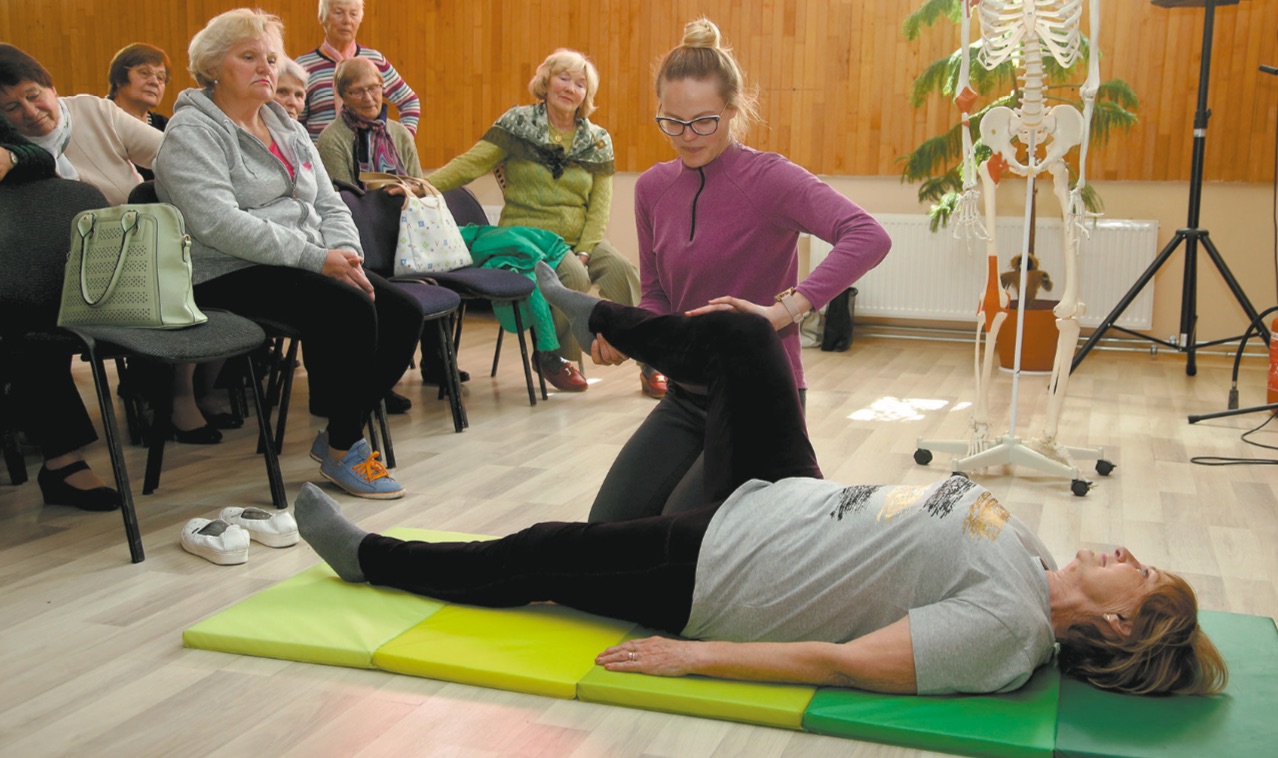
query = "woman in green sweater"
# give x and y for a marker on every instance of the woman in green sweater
(555, 170)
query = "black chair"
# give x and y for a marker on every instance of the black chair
(376, 215)
(466, 209)
(35, 232)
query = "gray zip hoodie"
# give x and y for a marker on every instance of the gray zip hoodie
(240, 204)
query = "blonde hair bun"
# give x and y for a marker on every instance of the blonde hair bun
(702, 33)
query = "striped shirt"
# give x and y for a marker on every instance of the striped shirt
(320, 110)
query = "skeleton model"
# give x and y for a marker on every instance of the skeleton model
(1024, 31)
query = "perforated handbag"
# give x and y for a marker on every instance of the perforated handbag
(129, 265)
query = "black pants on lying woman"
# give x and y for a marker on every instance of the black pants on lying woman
(356, 348)
(642, 569)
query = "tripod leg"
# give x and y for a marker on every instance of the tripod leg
(1234, 287)
(1144, 279)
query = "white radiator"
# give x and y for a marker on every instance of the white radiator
(932, 276)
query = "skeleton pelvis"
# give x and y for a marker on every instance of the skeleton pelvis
(1060, 131)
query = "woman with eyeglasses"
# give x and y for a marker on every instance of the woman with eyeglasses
(138, 75)
(363, 138)
(718, 230)
(555, 169)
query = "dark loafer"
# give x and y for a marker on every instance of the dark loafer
(204, 435)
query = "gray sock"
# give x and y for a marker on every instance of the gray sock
(575, 305)
(325, 529)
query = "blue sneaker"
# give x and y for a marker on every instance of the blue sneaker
(361, 474)
(319, 448)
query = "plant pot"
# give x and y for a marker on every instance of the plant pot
(1038, 352)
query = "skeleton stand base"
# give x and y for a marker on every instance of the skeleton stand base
(1011, 450)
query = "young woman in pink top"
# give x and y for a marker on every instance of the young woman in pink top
(718, 230)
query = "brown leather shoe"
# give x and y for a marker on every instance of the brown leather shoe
(561, 373)
(653, 383)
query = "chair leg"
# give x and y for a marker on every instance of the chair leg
(497, 351)
(387, 444)
(111, 431)
(161, 429)
(266, 445)
(523, 354)
(452, 379)
(286, 395)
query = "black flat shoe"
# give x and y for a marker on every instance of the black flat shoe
(204, 435)
(224, 420)
(56, 491)
(434, 380)
(397, 403)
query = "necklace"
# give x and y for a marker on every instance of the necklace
(557, 136)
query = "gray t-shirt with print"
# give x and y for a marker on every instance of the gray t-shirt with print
(806, 559)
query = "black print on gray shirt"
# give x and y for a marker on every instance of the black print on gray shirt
(853, 500)
(942, 501)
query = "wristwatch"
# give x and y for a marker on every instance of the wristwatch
(786, 299)
(13, 157)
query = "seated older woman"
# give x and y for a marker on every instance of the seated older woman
(46, 404)
(270, 238)
(290, 87)
(363, 138)
(782, 576)
(555, 170)
(91, 139)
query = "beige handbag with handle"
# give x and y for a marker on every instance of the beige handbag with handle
(129, 265)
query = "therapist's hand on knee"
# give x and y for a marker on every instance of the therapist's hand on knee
(604, 354)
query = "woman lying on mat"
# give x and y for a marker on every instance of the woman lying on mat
(786, 577)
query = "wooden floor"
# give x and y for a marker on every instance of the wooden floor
(91, 658)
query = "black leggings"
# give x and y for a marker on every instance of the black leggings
(641, 570)
(356, 348)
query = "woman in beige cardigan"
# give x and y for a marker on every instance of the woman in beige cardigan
(91, 139)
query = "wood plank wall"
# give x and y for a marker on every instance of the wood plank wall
(832, 74)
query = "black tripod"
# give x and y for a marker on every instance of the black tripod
(1191, 235)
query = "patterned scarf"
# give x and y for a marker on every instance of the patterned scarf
(374, 148)
(524, 132)
(56, 141)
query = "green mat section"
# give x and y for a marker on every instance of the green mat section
(317, 618)
(1241, 722)
(1021, 723)
(750, 702)
(549, 650)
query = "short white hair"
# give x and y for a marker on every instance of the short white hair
(326, 5)
(226, 30)
(289, 67)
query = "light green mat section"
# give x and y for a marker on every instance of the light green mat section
(1021, 723)
(537, 649)
(315, 617)
(750, 702)
(1241, 722)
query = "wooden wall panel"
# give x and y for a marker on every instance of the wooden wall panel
(832, 74)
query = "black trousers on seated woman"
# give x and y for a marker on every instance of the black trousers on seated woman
(356, 348)
(643, 569)
(46, 403)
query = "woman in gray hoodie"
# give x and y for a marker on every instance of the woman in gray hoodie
(272, 239)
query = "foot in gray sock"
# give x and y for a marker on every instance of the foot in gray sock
(325, 529)
(575, 305)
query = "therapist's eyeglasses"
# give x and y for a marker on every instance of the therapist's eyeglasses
(673, 127)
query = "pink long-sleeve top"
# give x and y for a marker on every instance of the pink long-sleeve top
(732, 228)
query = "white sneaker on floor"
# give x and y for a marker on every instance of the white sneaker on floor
(278, 529)
(216, 541)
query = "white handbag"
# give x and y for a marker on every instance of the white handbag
(429, 240)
